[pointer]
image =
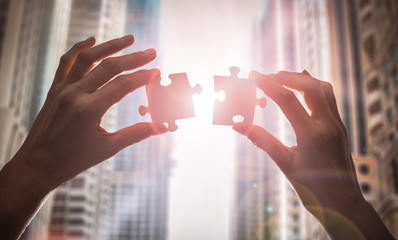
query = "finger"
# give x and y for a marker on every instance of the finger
(265, 141)
(69, 58)
(110, 67)
(119, 87)
(87, 58)
(310, 87)
(331, 99)
(284, 98)
(134, 134)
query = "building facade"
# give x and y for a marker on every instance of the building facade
(291, 36)
(80, 207)
(140, 183)
(23, 26)
(378, 38)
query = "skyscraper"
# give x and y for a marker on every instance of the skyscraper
(346, 73)
(292, 36)
(22, 28)
(378, 38)
(141, 172)
(80, 206)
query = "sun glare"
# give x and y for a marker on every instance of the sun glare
(202, 178)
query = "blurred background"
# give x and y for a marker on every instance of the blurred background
(205, 181)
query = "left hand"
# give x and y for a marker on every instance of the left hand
(66, 137)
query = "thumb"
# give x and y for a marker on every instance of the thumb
(262, 139)
(136, 133)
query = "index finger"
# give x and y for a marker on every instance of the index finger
(284, 98)
(87, 58)
(314, 95)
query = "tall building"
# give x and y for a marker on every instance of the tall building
(51, 38)
(14, 108)
(80, 207)
(349, 90)
(378, 38)
(292, 36)
(140, 172)
(23, 25)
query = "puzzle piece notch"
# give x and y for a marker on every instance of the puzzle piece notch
(240, 98)
(166, 104)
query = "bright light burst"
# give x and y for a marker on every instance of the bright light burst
(203, 39)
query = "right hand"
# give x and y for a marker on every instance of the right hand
(320, 167)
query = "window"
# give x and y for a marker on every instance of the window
(365, 187)
(363, 3)
(77, 183)
(58, 209)
(76, 210)
(396, 101)
(77, 198)
(369, 46)
(366, 18)
(376, 129)
(60, 197)
(375, 107)
(387, 91)
(75, 221)
(75, 233)
(56, 232)
(389, 115)
(373, 84)
(394, 75)
(363, 169)
(394, 167)
(391, 137)
(57, 221)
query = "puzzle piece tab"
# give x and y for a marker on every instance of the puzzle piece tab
(240, 99)
(166, 104)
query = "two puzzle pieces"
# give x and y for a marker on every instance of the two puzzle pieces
(166, 104)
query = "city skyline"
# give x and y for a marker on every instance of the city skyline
(205, 181)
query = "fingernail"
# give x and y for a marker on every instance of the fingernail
(90, 39)
(155, 71)
(241, 127)
(155, 75)
(160, 128)
(150, 52)
(127, 38)
(255, 75)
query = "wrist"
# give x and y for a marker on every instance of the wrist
(22, 170)
(347, 206)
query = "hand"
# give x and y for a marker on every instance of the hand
(66, 137)
(320, 167)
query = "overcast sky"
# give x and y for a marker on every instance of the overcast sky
(204, 38)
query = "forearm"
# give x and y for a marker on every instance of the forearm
(22, 193)
(356, 221)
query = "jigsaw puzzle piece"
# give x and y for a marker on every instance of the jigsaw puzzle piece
(240, 99)
(166, 104)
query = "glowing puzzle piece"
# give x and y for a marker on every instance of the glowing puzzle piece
(240, 99)
(166, 104)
